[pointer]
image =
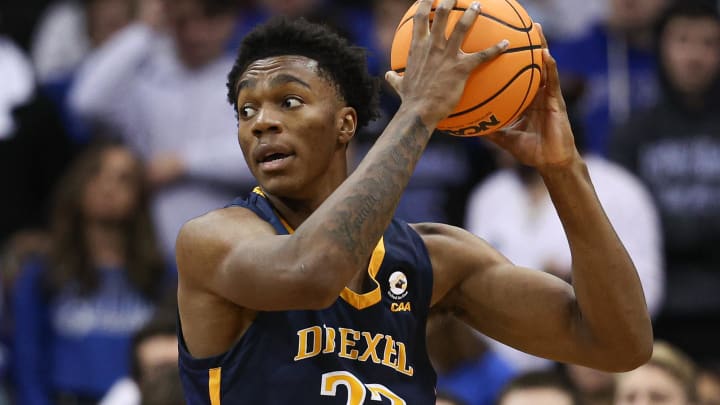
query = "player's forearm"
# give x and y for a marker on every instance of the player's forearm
(608, 290)
(351, 221)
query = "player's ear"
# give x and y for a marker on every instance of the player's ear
(346, 124)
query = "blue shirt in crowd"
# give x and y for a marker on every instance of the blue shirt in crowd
(73, 344)
(618, 79)
(478, 382)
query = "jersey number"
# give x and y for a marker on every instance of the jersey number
(356, 389)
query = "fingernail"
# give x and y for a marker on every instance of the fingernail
(475, 6)
(504, 43)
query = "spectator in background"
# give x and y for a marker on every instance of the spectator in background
(153, 348)
(674, 148)
(667, 379)
(76, 310)
(164, 388)
(18, 84)
(30, 132)
(465, 366)
(69, 29)
(512, 209)
(565, 19)
(349, 20)
(34, 149)
(67, 32)
(162, 94)
(594, 387)
(613, 67)
(708, 385)
(539, 388)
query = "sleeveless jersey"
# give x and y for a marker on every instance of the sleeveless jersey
(364, 349)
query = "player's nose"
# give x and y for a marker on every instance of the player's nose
(267, 121)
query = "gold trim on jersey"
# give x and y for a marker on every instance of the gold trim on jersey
(214, 375)
(257, 190)
(359, 301)
(362, 301)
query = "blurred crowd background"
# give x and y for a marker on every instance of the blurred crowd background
(115, 130)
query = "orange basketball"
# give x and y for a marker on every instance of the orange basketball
(497, 92)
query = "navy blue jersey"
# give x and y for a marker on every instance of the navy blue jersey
(364, 349)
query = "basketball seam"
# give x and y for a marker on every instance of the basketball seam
(509, 50)
(523, 48)
(532, 63)
(475, 107)
(488, 16)
(532, 66)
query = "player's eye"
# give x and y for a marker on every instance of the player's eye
(247, 111)
(292, 102)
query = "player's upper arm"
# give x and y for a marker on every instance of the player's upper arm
(528, 309)
(234, 254)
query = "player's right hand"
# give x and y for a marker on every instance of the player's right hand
(437, 68)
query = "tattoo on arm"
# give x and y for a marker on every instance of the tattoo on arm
(369, 206)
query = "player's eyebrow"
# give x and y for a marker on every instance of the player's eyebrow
(246, 83)
(285, 78)
(278, 80)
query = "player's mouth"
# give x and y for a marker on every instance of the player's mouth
(274, 161)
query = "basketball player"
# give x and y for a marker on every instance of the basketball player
(309, 292)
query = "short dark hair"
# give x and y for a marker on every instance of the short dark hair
(343, 64)
(541, 379)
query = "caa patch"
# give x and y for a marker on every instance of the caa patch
(398, 285)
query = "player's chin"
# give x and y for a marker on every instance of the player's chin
(280, 185)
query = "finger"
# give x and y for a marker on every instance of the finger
(488, 54)
(552, 85)
(421, 20)
(394, 79)
(543, 71)
(543, 40)
(439, 23)
(544, 45)
(463, 25)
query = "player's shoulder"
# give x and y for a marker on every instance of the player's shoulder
(229, 221)
(209, 237)
(455, 254)
(453, 243)
(432, 229)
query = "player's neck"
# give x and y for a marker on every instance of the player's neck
(295, 210)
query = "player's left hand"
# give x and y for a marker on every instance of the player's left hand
(542, 138)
